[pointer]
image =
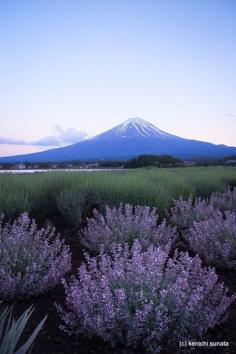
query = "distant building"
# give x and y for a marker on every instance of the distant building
(189, 163)
(92, 165)
(231, 162)
(20, 166)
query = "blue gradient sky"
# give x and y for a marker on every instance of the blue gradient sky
(74, 68)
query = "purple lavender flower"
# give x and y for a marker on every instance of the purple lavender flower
(31, 260)
(133, 298)
(185, 212)
(124, 225)
(214, 239)
(224, 201)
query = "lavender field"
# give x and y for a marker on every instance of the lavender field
(145, 261)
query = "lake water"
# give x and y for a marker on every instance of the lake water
(64, 170)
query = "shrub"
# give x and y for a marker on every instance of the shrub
(185, 212)
(14, 203)
(214, 239)
(75, 203)
(125, 224)
(31, 260)
(143, 298)
(11, 330)
(224, 201)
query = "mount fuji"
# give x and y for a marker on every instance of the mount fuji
(133, 137)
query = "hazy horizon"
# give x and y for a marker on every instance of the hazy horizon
(73, 69)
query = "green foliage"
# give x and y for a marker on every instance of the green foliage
(72, 195)
(229, 160)
(77, 203)
(11, 330)
(111, 164)
(153, 160)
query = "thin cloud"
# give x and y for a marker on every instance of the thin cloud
(231, 116)
(12, 141)
(61, 137)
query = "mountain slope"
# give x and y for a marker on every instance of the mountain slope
(131, 138)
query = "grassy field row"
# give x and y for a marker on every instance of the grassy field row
(72, 195)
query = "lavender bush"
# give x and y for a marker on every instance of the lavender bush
(143, 298)
(214, 239)
(224, 201)
(125, 224)
(185, 212)
(31, 260)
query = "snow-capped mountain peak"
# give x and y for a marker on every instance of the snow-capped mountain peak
(138, 127)
(134, 127)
